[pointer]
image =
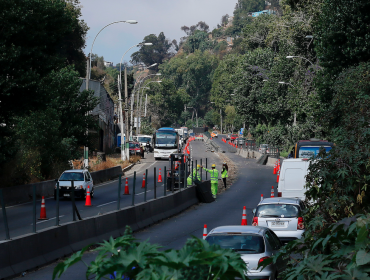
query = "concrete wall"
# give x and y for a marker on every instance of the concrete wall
(37, 249)
(20, 194)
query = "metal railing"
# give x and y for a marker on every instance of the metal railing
(173, 180)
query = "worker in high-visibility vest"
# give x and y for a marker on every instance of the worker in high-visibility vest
(224, 173)
(195, 176)
(214, 179)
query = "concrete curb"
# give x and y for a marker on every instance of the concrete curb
(34, 250)
(127, 168)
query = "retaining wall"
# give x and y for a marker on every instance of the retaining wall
(21, 194)
(37, 249)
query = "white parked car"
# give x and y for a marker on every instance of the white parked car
(281, 215)
(81, 179)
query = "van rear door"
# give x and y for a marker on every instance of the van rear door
(292, 178)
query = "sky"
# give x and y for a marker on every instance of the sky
(153, 17)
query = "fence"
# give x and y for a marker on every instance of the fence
(174, 179)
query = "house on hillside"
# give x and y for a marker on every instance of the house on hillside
(264, 12)
(103, 139)
(108, 64)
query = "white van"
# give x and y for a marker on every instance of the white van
(293, 178)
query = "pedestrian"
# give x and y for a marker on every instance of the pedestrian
(224, 173)
(142, 151)
(214, 179)
(147, 147)
(194, 176)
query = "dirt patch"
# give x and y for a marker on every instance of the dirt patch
(111, 161)
(233, 172)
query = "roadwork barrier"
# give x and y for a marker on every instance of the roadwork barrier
(21, 194)
(33, 250)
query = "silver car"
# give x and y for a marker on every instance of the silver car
(282, 215)
(254, 243)
(264, 148)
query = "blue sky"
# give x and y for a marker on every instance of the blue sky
(153, 17)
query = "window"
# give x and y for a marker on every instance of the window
(278, 211)
(277, 240)
(246, 243)
(69, 176)
(270, 239)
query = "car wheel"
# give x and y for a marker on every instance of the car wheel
(275, 277)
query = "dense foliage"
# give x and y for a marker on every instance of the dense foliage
(41, 44)
(127, 257)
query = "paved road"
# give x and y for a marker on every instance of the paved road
(105, 199)
(253, 180)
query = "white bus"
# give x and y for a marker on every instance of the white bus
(166, 142)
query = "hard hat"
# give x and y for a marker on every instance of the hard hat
(213, 165)
(198, 166)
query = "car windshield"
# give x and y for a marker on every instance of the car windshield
(245, 243)
(278, 211)
(215, 132)
(69, 176)
(144, 139)
(264, 146)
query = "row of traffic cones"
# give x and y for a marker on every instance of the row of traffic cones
(277, 170)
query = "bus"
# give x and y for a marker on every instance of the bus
(309, 148)
(166, 142)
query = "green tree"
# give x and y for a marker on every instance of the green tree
(37, 37)
(198, 41)
(58, 131)
(157, 53)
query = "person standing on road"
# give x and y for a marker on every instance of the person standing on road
(214, 179)
(142, 151)
(195, 176)
(224, 173)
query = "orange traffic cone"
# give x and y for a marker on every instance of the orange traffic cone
(88, 197)
(261, 197)
(127, 191)
(160, 176)
(278, 165)
(278, 176)
(143, 184)
(272, 192)
(275, 167)
(244, 217)
(43, 210)
(205, 232)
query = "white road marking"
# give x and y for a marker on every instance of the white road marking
(106, 203)
(47, 220)
(142, 193)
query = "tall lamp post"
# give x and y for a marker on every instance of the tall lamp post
(293, 56)
(88, 76)
(133, 97)
(125, 151)
(139, 115)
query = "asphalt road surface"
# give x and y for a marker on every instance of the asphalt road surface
(252, 181)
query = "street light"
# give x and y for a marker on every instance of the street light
(284, 83)
(309, 37)
(88, 76)
(133, 96)
(139, 115)
(293, 56)
(124, 144)
(121, 21)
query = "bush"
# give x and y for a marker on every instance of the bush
(142, 260)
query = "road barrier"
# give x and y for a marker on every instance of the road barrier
(37, 249)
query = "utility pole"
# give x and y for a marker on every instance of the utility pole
(146, 102)
(221, 119)
(86, 148)
(123, 155)
(126, 117)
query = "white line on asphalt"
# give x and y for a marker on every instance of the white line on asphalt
(47, 220)
(142, 192)
(152, 164)
(107, 203)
